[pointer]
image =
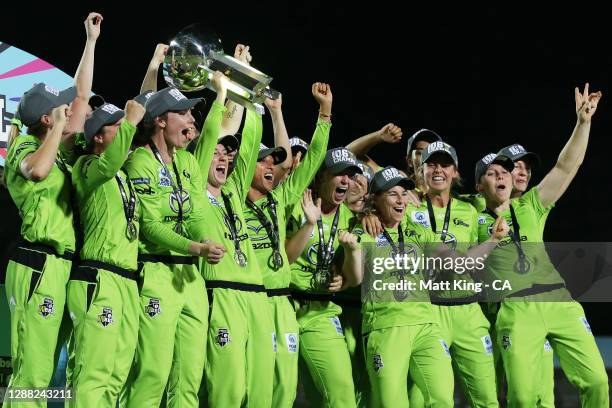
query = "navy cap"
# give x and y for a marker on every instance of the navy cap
(439, 148)
(298, 145)
(106, 114)
(388, 178)
(168, 99)
(40, 100)
(340, 159)
(483, 164)
(278, 153)
(423, 134)
(517, 152)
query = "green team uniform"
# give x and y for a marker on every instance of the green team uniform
(240, 354)
(324, 354)
(173, 307)
(462, 323)
(277, 279)
(38, 271)
(401, 331)
(102, 292)
(490, 309)
(538, 307)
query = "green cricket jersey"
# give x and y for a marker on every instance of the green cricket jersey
(159, 202)
(501, 263)
(477, 201)
(286, 195)
(462, 234)
(235, 190)
(100, 203)
(390, 308)
(44, 206)
(305, 265)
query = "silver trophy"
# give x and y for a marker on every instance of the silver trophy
(195, 54)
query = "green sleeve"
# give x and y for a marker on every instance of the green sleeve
(207, 142)
(99, 169)
(532, 199)
(196, 226)
(293, 188)
(246, 161)
(151, 226)
(22, 146)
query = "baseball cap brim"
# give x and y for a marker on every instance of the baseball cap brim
(404, 182)
(428, 157)
(90, 132)
(185, 104)
(529, 157)
(278, 153)
(230, 142)
(342, 167)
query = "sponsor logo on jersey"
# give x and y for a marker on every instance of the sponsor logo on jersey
(421, 217)
(46, 308)
(106, 317)
(459, 222)
(482, 220)
(487, 344)
(165, 179)
(153, 308)
(237, 222)
(506, 343)
(445, 347)
(144, 190)
(336, 322)
(378, 362)
(586, 324)
(223, 337)
(141, 180)
(185, 200)
(292, 342)
(257, 232)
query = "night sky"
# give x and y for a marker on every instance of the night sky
(482, 78)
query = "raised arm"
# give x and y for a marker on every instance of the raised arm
(207, 141)
(112, 158)
(293, 188)
(554, 184)
(281, 137)
(388, 134)
(83, 78)
(37, 165)
(352, 267)
(295, 245)
(149, 83)
(233, 117)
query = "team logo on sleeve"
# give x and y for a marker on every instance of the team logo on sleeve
(165, 179)
(547, 347)
(153, 308)
(223, 337)
(586, 324)
(421, 218)
(445, 347)
(292, 342)
(336, 322)
(46, 307)
(482, 220)
(184, 199)
(378, 362)
(106, 317)
(141, 180)
(506, 343)
(487, 344)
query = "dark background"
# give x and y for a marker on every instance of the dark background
(482, 78)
